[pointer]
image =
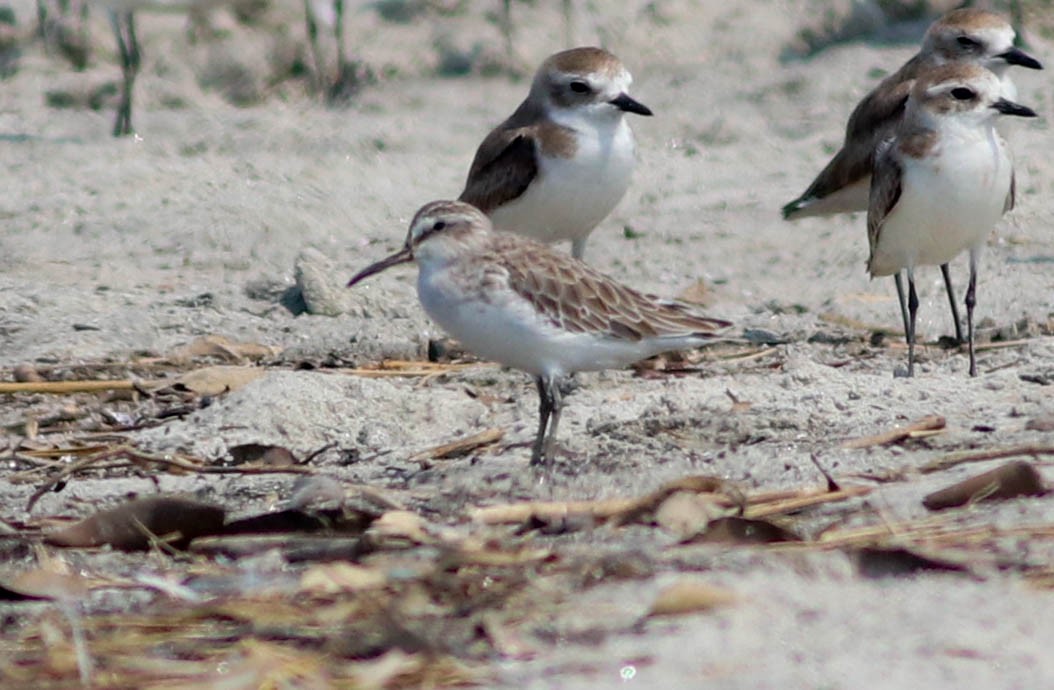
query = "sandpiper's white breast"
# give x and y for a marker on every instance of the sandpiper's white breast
(503, 327)
(570, 196)
(950, 201)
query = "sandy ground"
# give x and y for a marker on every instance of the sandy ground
(113, 249)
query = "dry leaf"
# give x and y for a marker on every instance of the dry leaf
(219, 379)
(398, 669)
(696, 293)
(738, 530)
(1013, 479)
(330, 578)
(43, 584)
(895, 561)
(689, 596)
(131, 526)
(336, 520)
(402, 524)
(1044, 423)
(685, 514)
(223, 348)
(461, 447)
(262, 454)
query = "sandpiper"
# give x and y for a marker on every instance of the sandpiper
(518, 302)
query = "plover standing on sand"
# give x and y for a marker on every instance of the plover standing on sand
(559, 164)
(941, 183)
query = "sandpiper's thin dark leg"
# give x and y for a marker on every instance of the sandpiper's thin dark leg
(971, 301)
(913, 309)
(554, 420)
(578, 248)
(569, 33)
(318, 79)
(946, 272)
(338, 36)
(902, 300)
(545, 409)
(506, 26)
(128, 46)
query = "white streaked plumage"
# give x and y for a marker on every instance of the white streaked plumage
(515, 301)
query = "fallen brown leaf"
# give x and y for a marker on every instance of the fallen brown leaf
(218, 379)
(133, 525)
(223, 348)
(689, 596)
(1013, 479)
(41, 583)
(737, 530)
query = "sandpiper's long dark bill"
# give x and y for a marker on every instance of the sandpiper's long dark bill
(404, 255)
(515, 301)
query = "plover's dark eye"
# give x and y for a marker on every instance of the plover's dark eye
(962, 93)
(579, 87)
(967, 42)
(439, 225)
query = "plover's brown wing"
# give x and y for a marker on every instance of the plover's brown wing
(873, 119)
(580, 299)
(885, 192)
(505, 164)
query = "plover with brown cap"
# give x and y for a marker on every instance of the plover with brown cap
(564, 159)
(516, 301)
(941, 183)
(966, 35)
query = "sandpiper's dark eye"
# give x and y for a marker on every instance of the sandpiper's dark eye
(579, 87)
(439, 225)
(967, 42)
(963, 94)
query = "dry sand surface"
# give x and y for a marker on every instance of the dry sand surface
(122, 250)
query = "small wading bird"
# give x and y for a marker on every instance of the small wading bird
(122, 20)
(559, 164)
(517, 302)
(966, 35)
(941, 183)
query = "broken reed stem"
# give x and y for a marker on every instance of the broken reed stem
(625, 510)
(926, 426)
(135, 457)
(67, 387)
(460, 447)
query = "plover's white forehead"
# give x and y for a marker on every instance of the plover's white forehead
(956, 87)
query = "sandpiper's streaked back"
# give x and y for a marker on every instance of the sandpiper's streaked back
(518, 302)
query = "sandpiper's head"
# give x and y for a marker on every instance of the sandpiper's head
(586, 80)
(979, 36)
(440, 229)
(965, 91)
